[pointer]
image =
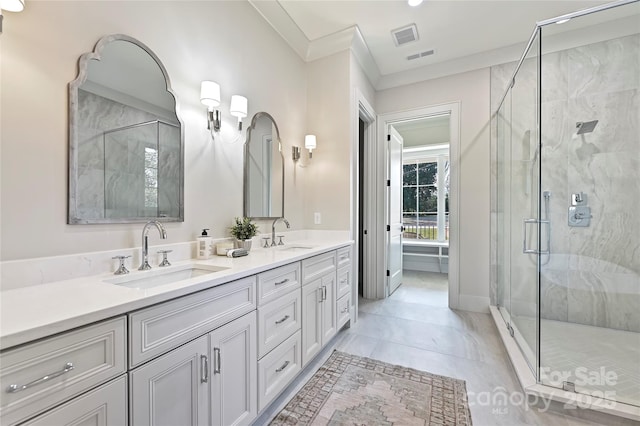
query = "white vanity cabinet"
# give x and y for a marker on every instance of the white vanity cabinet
(215, 357)
(233, 373)
(211, 380)
(345, 274)
(318, 303)
(103, 406)
(43, 374)
(279, 322)
(212, 375)
(172, 389)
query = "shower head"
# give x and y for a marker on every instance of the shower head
(585, 126)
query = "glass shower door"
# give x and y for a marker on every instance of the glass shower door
(524, 207)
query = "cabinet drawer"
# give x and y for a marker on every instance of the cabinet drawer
(343, 308)
(277, 369)
(344, 281)
(277, 321)
(72, 362)
(106, 405)
(317, 266)
(276, 282)
(344, 256)
(160, 328)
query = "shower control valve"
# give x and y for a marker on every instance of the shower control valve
(580, 216)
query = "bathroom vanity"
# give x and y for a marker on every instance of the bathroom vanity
(215, 348)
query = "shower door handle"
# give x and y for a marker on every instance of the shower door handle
(525, 248)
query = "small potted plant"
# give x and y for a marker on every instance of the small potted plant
(243, 230)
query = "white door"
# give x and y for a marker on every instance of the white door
(234, 372)
(311, 320)
(172, 389)
(394, 215)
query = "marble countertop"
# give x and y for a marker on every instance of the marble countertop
(39, 311)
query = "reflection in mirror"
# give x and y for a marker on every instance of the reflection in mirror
(125, 139)
(263, 169)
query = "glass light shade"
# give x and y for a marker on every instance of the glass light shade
(310, 142)
(238, 106)
(210, 93)
(414, 2)
(12, 5)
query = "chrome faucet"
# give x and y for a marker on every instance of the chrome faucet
(144, 266)
(273, 229)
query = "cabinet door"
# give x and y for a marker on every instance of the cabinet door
(172, 389)
(329, 315)
(103, 406)
(234, 374)
(311, 320)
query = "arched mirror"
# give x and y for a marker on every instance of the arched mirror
(263, 169)
(126, 152)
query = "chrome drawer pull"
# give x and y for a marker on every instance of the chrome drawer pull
(204, 368)
(17, 388)
(286, 317)
(286, 280)
(217, 361)
(282, 367)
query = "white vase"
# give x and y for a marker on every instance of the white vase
(245, 244)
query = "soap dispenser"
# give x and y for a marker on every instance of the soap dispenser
(205, 243)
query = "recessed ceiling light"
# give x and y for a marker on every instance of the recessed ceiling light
(414, 2)
(563, 21)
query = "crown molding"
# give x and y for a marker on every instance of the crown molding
(351, 39)
(279, 19)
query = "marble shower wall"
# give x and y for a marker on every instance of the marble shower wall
(593, 274)
(113, 175)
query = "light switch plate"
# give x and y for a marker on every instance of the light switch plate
(317, 218)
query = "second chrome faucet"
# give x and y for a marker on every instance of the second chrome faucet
(273, 229)
(145, 242)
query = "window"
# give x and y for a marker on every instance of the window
(426, 194)
(150, 178)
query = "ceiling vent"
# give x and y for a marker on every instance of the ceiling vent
(404, 35)
(421, 54)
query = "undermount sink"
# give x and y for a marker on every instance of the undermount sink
(159, 277)
(295, 247)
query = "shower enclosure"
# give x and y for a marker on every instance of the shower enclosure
(566, 202)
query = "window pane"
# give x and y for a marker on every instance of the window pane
(428, 226)
(409, 174)
(427, 173)
(427, 199)
(409, 199)
(410, 222)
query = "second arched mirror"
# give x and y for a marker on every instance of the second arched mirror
(263, 169)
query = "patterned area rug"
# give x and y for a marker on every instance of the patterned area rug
(351, 390)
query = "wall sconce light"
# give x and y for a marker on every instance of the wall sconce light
(210, 96)
(238, 108)
(10, 6)
(310, 144)
(295, 153)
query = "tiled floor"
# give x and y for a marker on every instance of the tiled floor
(415, 328)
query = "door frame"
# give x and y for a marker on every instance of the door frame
(363, 110)
(384, 121)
